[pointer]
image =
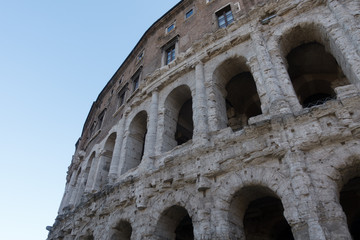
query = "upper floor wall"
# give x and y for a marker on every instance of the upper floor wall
(161, 45)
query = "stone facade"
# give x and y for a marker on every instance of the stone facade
(228, 120)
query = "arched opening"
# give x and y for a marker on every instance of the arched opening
(86, 181)
(350, 202)
(106, 159)
(264, 219)
(136, 141)
(242, 100)
(122, 231)
(75, 189)
(175, 223)
(257, 213)
(314, 74)
(237, 96)
(88, 236)
(178, 118)
(185, 126)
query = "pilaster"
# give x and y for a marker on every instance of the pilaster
(278, 104)
(150, 140)
(115, 162)
(200, 105)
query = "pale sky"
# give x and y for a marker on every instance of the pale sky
(55, 58)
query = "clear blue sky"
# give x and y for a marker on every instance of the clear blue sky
(55, 58)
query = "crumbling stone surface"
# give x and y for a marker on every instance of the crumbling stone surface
(284, 173)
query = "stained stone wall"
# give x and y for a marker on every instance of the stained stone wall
(259, 162)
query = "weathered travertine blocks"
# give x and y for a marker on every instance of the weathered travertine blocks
(289, 170)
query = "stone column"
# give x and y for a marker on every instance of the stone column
(347, 21)
(150, 140)
(92, 173)
(125, 136)
(254, 66)
(99, 173)
(222, 228)
(302, 189)
(278, 104)
(79, 189)
(200, 106)
(115, 161)
(345, 43)
(283, 77)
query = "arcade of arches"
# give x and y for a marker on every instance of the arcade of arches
(244, 136)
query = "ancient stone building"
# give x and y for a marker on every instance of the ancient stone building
(228, 120)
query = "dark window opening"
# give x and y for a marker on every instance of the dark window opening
(178, 123)
(242, 100)
(184, 230)
(136, 79)
(100, 119)
(185, 126)
(314, 74)
(136, 83)
(224, 17)
(350, 202)
(170, 54)
(135, 141)
(175, 223)
(189, 13)
(121, 98)
(122, 231)
(264, 219)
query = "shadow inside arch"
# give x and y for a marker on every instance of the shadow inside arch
(256, 212)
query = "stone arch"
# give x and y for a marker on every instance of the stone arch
(121, 231)
(105, 160)
(335, 169)
(349, 193)
(350, 202)
(175, 223)
(85, 181)
(237, 94)
(313, 70)
(274, 183)
(178, 118)
(75, 188)
(257, 212)
(86, 235)
(135, 143)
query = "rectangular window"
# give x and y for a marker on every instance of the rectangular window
(224, 17)
(140, 56)
(100, 119)
(136, 79)
(189, 13)
(135, 83)
(169, 28)
(121, 96)
(121, 99)
(170, 54)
